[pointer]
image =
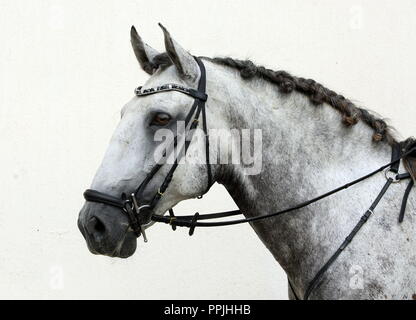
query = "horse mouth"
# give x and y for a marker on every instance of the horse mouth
(123, 249)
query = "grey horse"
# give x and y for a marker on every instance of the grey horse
(313, 140)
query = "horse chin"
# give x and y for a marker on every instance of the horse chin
(127, 248)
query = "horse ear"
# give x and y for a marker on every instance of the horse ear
(143, 52)
(185, 63)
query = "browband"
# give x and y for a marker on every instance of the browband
(171, 87)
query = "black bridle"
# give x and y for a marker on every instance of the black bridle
(140, 214)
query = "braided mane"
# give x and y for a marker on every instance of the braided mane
(317, 93)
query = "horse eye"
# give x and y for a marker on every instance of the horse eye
(160, 119)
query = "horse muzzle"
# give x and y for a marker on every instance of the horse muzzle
(106, 231)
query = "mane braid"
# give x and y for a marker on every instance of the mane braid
(317, 93)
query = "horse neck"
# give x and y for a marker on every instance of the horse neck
(307, 151)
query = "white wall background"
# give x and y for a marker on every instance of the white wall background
(66, 69)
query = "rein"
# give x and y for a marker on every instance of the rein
(141, 214)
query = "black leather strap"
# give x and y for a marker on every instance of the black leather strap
(172, 216)
(405, 197)
(133, 219)
(180, 222)
(315, 281)
(317, 278)
(395, 155)
(202, 88)
(395, 163)
(99, 197)
(193, 222)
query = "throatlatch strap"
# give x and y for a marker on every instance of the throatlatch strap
(202, 88)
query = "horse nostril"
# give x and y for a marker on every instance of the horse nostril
(95, 225)
(99, 226)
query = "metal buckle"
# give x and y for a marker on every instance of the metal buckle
(391, 175)
(137, 209)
